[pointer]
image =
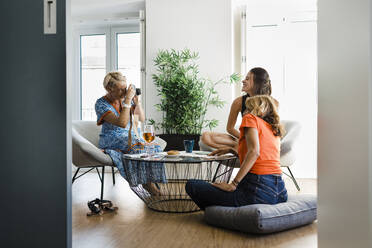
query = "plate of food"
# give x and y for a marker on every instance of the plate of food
(173, 154)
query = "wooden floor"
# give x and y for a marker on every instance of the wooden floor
(134, 225)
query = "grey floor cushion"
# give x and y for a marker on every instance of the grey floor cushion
(299, 210)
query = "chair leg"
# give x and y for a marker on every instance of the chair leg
(102, 181)
(74, 177)
(113, 175)
(293, 179)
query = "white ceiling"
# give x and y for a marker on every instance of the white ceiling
(114, 8)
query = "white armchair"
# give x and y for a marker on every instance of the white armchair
(287, 147)
(85, 136)
(85, 151)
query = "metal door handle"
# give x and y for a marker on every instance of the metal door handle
(50, 16)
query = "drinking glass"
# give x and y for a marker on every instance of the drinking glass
(189, 145)
(149, 136)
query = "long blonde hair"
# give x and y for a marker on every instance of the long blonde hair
(265, 107)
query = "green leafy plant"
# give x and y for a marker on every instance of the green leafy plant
(184, 95)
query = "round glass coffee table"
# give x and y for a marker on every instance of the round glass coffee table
(179, 169)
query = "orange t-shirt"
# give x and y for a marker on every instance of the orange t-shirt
(269, 160)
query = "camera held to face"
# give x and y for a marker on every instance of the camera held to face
(138, 90)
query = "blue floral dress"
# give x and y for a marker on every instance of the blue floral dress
(114, 141)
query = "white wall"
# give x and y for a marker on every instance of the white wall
(203, 26)
(344, 123)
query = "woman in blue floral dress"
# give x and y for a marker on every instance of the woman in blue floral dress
(115, 112)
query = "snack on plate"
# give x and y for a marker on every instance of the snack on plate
(173, 152)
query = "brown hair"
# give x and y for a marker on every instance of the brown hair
(112, 77)
(264, 107)
(261, 80)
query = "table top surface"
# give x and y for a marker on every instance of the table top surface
(183, 157)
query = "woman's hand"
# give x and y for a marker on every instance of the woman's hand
(219, 152)
(129, 94)
(222, 151)
(229, 187)
(136, 100)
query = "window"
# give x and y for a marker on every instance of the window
(92, 72)
(128, 56)
(102, 50)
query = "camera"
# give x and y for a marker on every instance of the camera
(138, 90)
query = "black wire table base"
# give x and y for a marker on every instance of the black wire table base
(171, 197)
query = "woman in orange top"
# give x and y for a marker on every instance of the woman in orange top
(259, 178)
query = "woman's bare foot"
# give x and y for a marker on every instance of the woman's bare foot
(152, 189)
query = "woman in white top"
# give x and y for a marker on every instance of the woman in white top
(257, 82)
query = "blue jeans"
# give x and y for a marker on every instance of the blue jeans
(253, 189)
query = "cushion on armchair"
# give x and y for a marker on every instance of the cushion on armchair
(299, 210)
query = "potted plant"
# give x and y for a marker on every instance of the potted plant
(184, 97)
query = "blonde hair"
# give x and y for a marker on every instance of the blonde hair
(112, 78)
(265, 107)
